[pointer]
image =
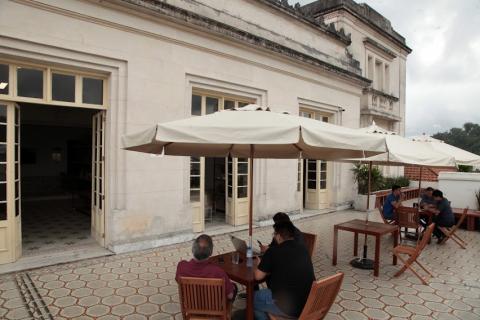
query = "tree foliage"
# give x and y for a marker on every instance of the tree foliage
(466, 138)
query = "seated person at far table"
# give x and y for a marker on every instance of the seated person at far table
(444, 216)
(392, 202)
(290, 269)
(200, 266)
(427, 200)
(279, 217)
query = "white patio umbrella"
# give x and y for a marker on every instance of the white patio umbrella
(404, 151)
(254, 132)
(462, 157)
(401, 151)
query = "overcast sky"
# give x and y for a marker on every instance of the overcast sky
(443, 71)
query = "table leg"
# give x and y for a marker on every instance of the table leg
(471, 223)
(395, 243)
(335, 240)
(376, 265)
(250, 293)
(355, 245)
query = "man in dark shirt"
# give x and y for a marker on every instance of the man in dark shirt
(427, 199)
(444, 216)
(290, 269)
(392, 202)
(200, 267)
(427, 203)
(279, 217)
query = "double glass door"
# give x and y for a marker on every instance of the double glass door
(10, 207)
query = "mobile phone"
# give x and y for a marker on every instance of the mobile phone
(259, 243)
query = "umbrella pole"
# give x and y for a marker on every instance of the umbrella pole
(364, 263)
(420, 184)
(250, 202)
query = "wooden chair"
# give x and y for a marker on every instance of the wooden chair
(203, 298)
(408, 218)
(310, 240)
(413, 253)
(450, 232)
(320, 300)
(385, 220)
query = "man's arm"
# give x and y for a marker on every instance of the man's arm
(397, 204)
(259, 274)
(229, 287)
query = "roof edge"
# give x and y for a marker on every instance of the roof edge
(196, 21)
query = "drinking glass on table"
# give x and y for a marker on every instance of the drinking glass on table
(236, 257)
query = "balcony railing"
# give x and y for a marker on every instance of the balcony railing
(378, 103)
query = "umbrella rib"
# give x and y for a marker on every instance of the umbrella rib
(298, 148)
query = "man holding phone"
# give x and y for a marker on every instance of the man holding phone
(290, 271)
(297, 234)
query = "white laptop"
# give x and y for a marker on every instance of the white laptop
(241, 246)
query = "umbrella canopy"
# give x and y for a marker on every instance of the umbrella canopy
(402, 151)
(461, 156)
(254, 132)
(272, 135)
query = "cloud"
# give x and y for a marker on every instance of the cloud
(443, 71)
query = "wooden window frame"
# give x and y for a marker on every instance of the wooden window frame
(204, 94)
(48, 70)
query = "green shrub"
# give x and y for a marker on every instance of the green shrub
(389, 182)
(462, 168)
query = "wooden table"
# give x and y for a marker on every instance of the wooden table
(368, 228)
(239, 273)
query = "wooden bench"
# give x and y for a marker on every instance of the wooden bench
(472, 215)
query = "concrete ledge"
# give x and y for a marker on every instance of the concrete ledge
(459, 176)
(49, 259)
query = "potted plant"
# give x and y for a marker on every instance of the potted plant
(360, 174)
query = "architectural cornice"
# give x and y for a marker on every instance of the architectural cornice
(372, 44)
(196, 21)
(380, 94)
(362, 12)
(296, 13)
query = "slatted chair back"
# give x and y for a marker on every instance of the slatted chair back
(203, 297)
(321, 297)
(407, 217)
(427, 235)
(310, 240)
(450, 232)
(385, 220)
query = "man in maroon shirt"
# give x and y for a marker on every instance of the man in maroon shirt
(200, 267)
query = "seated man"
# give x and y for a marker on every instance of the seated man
(200, 267)
(290, 269)
(279, 217)
(392, 202)
(427, 203)
(427, 200)
(444, 216)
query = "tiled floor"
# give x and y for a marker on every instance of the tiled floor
(49, 226)
(141, 285)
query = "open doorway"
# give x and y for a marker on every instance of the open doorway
(215, 187)
(56, 178)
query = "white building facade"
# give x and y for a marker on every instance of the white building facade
(132, 63)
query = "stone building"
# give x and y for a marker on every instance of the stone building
(77, 75)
